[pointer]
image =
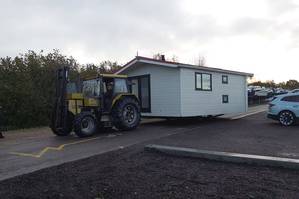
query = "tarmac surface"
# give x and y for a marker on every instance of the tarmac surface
(255, 135)
(127, 171)
(135, 173)
(25, 152)
(33, 149)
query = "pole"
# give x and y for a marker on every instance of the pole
(1, 122)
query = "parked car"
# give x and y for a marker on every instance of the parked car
(295, 91)
(285, 109)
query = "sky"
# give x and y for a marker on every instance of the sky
(256, 36)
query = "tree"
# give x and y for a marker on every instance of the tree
(109, 66)
(158, 56)
(27, 86)
(289, 85)
(292, 84)
(267, 84)
(174, 58)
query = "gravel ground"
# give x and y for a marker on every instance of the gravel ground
(134, 173)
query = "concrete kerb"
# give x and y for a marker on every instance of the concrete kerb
(226, 156)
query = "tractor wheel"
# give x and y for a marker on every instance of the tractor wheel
(126, 114)
(65, 131)
(85, 124)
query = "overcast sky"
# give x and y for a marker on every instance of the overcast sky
(258, 36)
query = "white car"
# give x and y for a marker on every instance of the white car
(295, 91)
(285, 109)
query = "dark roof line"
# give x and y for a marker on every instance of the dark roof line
(178, 64)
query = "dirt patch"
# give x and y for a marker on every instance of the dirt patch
(133, 173)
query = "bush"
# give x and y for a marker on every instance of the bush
(27, 87)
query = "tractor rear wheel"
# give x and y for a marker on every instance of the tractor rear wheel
(67, 129)
(85, 124)
(126, 114)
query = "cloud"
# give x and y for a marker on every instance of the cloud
(229, 33)
(280, 7)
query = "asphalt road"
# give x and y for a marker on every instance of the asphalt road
(255, 135)
(33, 149)
(25, 152)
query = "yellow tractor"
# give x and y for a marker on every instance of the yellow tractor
(91, 104)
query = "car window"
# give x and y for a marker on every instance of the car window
(294, 98)
(274, 98)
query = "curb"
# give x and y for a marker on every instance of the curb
(226, 156)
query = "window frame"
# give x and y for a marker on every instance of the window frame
(290, 99)
(201, 82)
(224, 82)
(224, 101)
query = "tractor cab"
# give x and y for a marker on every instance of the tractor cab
(105, 88)
(87, 106)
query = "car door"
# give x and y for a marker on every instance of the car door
(296, 105)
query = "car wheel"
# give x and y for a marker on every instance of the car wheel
(286, 118)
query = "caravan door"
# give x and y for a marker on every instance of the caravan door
(140, 86)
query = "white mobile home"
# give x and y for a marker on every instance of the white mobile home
(170, 89)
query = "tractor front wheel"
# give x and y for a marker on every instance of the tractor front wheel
(126, 114)
(85, 124)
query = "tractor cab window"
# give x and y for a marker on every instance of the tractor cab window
(91, 88)
(120, 85)
(115, 85)
(71, 87)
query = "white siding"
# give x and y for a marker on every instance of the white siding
(165, 89)
(196, 102)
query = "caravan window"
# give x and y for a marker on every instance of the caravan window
(203, 81)
(224, 99)
(224, 79)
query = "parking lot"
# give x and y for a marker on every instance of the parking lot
(133, 173)
(30, 150)
(254, 134)
(34, 149)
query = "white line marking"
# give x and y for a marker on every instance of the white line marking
(248, 114)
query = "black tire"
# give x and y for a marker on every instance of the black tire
(65, 131)
(287, 118)
(126, 114)
(85, 124)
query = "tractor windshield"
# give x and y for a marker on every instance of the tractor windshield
(91, 88)
(120, 85)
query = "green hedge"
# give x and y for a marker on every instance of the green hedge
(27, 85)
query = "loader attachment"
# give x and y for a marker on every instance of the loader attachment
(60, 119)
